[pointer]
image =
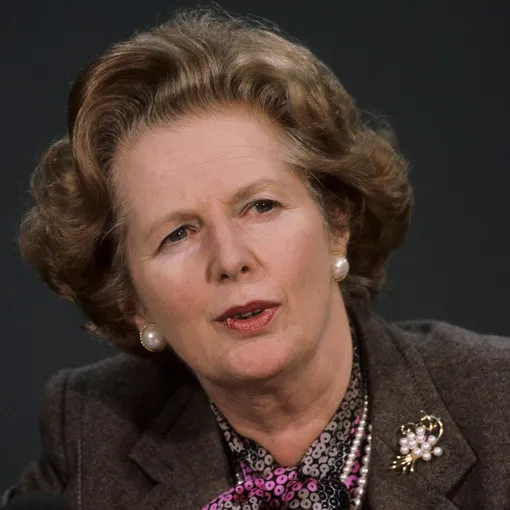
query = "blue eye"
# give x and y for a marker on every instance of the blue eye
(177, 235)
(264, 206)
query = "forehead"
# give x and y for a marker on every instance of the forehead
(198, 156)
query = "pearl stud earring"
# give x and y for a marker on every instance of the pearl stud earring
(340, 267)
(152, 339)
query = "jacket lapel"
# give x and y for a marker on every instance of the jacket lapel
(183, 451)
(400, 388)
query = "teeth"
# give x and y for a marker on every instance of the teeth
(247, 314)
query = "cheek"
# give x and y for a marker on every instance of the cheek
(299, 263)
(301, 252)
(170, 295)
(311, 274)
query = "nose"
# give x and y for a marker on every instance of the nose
(230, 257)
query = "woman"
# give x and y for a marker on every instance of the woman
(220, 212)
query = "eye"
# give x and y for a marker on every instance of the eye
(264, 206)
(177, 235)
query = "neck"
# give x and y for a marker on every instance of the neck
(287, 413)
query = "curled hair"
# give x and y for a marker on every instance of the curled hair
(198, 62)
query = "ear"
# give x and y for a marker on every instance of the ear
(139, 321)
(140, 317)
(339, 242)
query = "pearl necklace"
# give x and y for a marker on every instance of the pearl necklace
(346, 471)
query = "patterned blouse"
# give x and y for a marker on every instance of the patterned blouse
(315, 483)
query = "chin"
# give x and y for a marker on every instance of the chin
(258, 361)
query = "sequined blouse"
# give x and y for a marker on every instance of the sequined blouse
(315, 483)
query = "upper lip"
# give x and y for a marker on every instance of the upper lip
(248, 307)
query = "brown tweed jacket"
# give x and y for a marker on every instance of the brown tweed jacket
(126, 433)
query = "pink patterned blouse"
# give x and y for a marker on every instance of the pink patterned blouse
(315, 483)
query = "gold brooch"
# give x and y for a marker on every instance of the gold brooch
(419, 441)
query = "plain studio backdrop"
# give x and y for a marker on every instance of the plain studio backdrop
(438, 69)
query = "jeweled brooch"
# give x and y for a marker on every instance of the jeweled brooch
(419, 441)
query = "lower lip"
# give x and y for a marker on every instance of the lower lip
(254, 324)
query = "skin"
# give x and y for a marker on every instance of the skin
(215, 219)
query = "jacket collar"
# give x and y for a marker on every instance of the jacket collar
(400, 388)
(183, 451)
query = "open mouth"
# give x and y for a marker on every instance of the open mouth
(243, 316)
(251, 318)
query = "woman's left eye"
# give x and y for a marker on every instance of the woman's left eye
(264, 206)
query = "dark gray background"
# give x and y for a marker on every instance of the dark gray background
(438, 68)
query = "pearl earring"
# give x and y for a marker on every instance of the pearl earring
(152, 339)
(340, 267)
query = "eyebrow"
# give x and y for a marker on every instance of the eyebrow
(252, 188)
(239, 196)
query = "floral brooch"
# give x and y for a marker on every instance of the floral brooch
(419, 441)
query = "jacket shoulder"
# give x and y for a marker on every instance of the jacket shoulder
(471, 371)
(118, 373)
(104, 406)
(135, 387)
(445, 345)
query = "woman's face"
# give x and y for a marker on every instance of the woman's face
(217, 225)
